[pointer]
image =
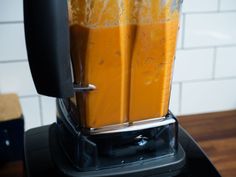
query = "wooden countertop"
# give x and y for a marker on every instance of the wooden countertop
(215, 133)
(12, 169)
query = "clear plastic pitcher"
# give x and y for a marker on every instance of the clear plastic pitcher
(126, 50)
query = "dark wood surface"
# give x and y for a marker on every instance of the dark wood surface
(216, 134)
(12, 169)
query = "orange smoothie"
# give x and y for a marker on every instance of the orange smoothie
(129, 59)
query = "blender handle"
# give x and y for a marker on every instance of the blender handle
(48, 48)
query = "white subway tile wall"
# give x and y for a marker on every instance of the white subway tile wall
(227, 5)
(31, 111)
(12, 44)
(48, 106)
(200, 6)
(194, 64)
(204, 77)
(208, 96)
(11, 10)
(225, 62)
(210, 29)
(16, 77)
(175, 98)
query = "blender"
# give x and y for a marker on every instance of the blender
(109, 63)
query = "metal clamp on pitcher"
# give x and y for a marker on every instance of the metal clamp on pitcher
(109, 63)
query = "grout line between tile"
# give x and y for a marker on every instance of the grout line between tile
(10, 22)
(28, 96)
(40, 110)
(13, 61)
(197, 48)
(218, 5)
(210, 12)
(207, 47)
(214, 64)
(180, 98)
(206, 80)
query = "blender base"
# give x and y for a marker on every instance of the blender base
(44, 156)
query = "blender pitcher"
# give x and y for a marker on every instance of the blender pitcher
(121, 53)
(109, 64)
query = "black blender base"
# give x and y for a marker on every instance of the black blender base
(44, 157)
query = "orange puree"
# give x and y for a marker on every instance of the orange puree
(129, 61)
